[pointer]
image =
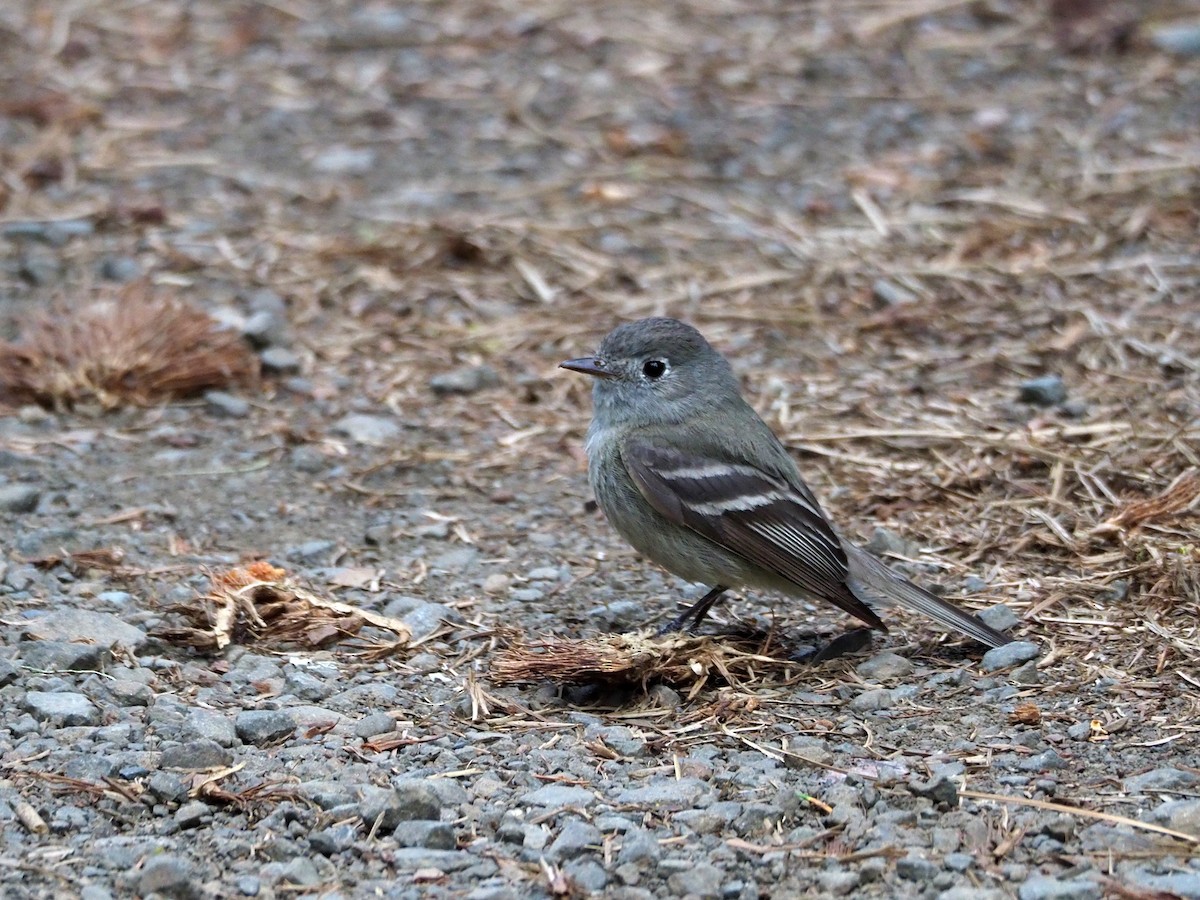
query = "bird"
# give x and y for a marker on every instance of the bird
(688, 473)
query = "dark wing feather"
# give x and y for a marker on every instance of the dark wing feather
(763, 519)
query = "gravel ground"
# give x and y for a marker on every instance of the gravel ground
(411, 214)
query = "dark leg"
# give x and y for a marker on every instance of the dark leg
(695, 613)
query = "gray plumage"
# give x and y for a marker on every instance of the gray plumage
(688, 473)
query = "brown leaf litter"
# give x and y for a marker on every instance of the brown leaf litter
(688, 662)
(131, 347)
(258, 604)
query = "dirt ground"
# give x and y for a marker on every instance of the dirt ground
(893, 217)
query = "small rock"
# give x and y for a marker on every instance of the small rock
(87, 626)
(1009, 655)
(1164, 779)
(1044, 887)
(19, 498)
(264, 726)
(167, 875)
(207, 724)
(1181, 37)
(891, 294)
(1080, 731)
(342, 160)
(195, 756)
(1073, 409)
(914, 868)
(8, 673)
(307, 459)
(64, 656)
(884, 541)
(222, 403)
(559, 795)
(999, 617)
(839, 882)
(496, 583)
(958, 862)
(374, 724)
(1181, 815)
(464, 381)
(884, 666)
(311, 551)
(39, 267)
(873, 701)
(673, 794)
(300, 870)
(973, 584)
(620, 738)
(64, 708)
(425, 833)
(264, 328)
(638, 845)
(364, 429)
(1116, 592)
(279, 361)
(701, 880)
(1047, 390)
(1043, 762)
(120, 268)
(1026, 673)
(193, 814)
(575, 838)
(586, 875)
(940, 788)
(334, 839)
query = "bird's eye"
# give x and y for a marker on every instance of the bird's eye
(654, 368)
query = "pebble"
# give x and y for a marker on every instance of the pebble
(873, 700)
(425, 833)
(195, 756)
(207, 724)
(575, 838)
(939, 787)
(680, 793)
(361, 428)
(279, 361)
(698, 880)
(884, 666)
(408, 800)
(1000, 617)
(193, 814)
(1116, 592)
(1164, 779)
(342, 160)
(222, 403)
(121, 269)
(1181, 815)
(468, 380)
(65, 708)
(1185, 884)
(1044, 887)
(916, 868)
(1047, 390)
(19, 498)
(839, 882)
(264, 726)
(559, 795)
(265, 328)
(1009, 655)
(1181, 37)
(334, 839)
(87, 626)
(638, 845)
(891, 294)
(64, 656)
(167, 875)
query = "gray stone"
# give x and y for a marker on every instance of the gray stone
(1080, 731)
(87, 626)
(1009, 655)
(873, 700)
(940, 788)
(916, 868)
(8, 673)
(559, 795)
(374, 724)
(334, 839)
(1181, 815)
(193, 814)
(425, 833)
(264, 328)
(621, 738)
(575, 838)
(667, 794)
(891, 294)
(342, 160)
(999, 617)
(406, 859)
(1116, 592)
(300, 870)
(65, 708)
(306, 686)
(1184, 884)
(64, 656)
(167, 787)
(121, 269)
(222, 403)
(390, 806)
(361, 428)
(1047, 760)
(587, 875)
(207, 724)
(699, 880)
(884, 666)
(311, 551)
(464, 381)
(638, 845)
(1046, 390)
(1044, 887)
(168, 876)
(1181, 37)
(886, 542)
(839, 882)
(307, 459)
(19, 498)
(958, 862)
(264, 726)
(279, 361)
(130, 693)
(196, 756)
(1164, 779)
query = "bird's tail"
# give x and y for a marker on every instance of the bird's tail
(873, 582)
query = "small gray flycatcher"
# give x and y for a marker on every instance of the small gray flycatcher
(688, 473)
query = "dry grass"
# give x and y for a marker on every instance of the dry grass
(134, 347)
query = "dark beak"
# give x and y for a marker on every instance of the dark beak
(588, 365)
